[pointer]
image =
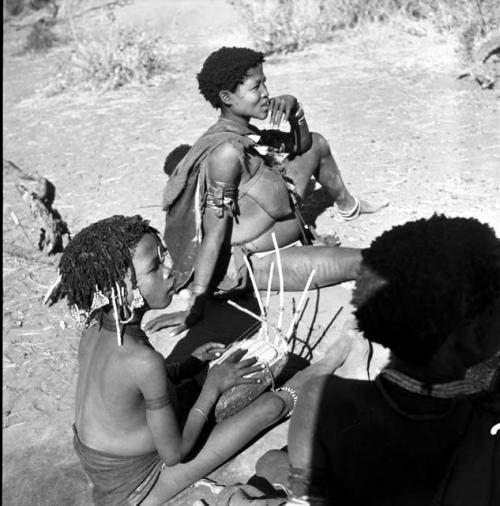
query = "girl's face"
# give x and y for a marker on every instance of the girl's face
(153, 269)
(251, 98)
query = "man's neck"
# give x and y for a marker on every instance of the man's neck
(434, 372)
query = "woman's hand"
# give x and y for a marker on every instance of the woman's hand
(208, 351)
(281, 108)
(182, 320)
(232, 372)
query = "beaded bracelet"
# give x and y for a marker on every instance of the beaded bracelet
(293, 395)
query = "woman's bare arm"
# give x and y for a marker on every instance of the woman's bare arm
(224, 168)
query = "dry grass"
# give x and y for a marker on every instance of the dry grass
(279, 26)
(41, 38)
(109, 59)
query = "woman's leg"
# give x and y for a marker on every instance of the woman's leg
(332, 265)
(232, 434)
(318, 161)
(225, 440)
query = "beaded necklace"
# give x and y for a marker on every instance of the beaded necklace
(446, 390)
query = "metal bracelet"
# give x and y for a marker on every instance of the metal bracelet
(202, 413)
(293, 395)
(300, 117)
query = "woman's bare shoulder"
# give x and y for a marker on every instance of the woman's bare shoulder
(225, 162)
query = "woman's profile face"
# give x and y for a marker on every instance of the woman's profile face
(251, 98)
(153, 270)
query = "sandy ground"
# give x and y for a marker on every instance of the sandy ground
(402, 128)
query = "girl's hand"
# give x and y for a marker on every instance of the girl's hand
(209, 351)
(281, 108)
(231, 372)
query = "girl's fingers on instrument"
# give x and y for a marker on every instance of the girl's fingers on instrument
(215, 347)
(247, 381)
(251, 370)
(236, 356)
(247, 362)
(216, 352)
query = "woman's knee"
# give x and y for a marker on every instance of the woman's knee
(320, 144)
(270, 408)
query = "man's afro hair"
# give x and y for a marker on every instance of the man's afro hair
(224, 69)
(422, 280)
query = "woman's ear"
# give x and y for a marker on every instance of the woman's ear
(225, 97)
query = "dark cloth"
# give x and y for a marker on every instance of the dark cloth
(384, 445)
(473, 475)
(118, 480)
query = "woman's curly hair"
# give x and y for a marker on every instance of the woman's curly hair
(224, 69)
(98, 258)
(422, 280)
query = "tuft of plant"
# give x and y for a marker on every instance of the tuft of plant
(13, 7)
(40, 38)
(122, 56)
(280, 26)
(17, 7)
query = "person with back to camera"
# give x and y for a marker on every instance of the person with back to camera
(238, 185)
(425, 431)
(134, 441)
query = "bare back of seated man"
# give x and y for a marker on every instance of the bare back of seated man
(425, 431)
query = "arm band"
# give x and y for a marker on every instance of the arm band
(299, 117)
(158, 403)
(221, 197)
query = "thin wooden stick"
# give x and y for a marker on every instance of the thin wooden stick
(268, 294)
(280, 273)
(252, 314)
(254, 284)
(15, 219)
(299, 307)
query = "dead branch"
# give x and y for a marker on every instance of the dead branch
(52, 227)
(479, 71)
(7, 165)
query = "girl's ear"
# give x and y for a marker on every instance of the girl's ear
(225, 97)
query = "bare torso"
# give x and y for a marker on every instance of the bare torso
(264, 208)
(110, 414)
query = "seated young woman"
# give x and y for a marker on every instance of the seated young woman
(133, 441)
(238, 185)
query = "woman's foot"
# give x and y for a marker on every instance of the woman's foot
(351, 207)
(333, 358)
